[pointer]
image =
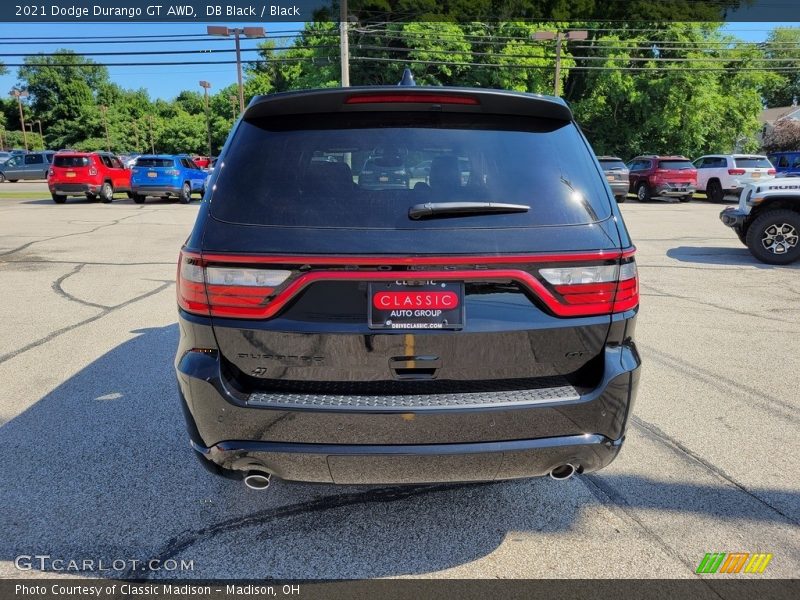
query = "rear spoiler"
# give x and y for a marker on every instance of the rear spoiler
(422, 99)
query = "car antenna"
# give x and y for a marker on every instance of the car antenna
(408, 78)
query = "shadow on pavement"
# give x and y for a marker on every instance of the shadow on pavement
(734, 256)
(101, 468)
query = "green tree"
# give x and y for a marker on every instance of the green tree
(783, 47)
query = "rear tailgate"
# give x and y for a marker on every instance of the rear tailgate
(287, 211)
(677, 171)
(69, 168)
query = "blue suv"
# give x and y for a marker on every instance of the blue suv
(786, 163)
(166, 176)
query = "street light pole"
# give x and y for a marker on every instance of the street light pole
(252, 32)
(104, 110)
(19, 95)
(559, 37)
(206, 85)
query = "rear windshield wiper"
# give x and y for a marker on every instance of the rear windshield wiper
(443, 209)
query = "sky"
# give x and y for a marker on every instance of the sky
(167, 81)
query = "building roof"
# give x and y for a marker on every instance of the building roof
(770, 115)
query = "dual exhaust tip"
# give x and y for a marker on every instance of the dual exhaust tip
(257, 480)
(563, 472)
(260, 480)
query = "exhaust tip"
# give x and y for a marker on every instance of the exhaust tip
(563, 472)
(256, 480)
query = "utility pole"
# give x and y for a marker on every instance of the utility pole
(251, 32)
(19, 95)
(104, 110)
(41, 134)
(29, 127)
(152, 142)
(344, 44)
(559, 37)
(233, 107)
(206, 85)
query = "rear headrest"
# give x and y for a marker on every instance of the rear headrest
(328, 177)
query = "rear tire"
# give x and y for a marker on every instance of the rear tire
(714, 191)
(91, 197)
(2, 178)
(620, 199)
(643, 192)
(138, 198)
(186, 193)
(685, 198)
(774, 237)
(106, 193)
(58, 198)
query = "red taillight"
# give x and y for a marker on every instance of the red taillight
(736, 171)
(418, 98)
(50, 172)
(597, 288)
(771, 172)
(224, 291)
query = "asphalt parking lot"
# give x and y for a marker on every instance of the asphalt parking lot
(96, 463)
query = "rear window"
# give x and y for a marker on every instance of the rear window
(155, 162)
(675, 164)
(753, 162)
(365, 170)
(612, 164)
(71, 161)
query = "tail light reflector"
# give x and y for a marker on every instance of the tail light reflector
(224, 291)
(736, 171)
(771, 172)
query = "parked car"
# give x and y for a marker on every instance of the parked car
(32, 165)
(384, 170)
(166, 176)
(341, 332)
(723, 175)
(662, 177)
(617, 175)
(767, 219)
(786, 163)
(91, 174)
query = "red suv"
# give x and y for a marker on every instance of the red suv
(662, 177)
(91, 174)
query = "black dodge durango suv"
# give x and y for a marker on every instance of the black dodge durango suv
(473, 324)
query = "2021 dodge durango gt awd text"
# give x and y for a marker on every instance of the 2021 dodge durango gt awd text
(455, 329)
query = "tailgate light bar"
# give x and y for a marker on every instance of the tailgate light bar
(205, 287)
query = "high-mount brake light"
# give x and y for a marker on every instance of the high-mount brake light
(411, 98)
(224, 291)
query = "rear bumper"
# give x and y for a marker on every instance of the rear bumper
(371, 464)
(672, 191)
(68, 189)
(157, 190)
(320, 438)
(619, 188)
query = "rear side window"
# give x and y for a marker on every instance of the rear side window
(610, 165)
(365, 170)
(154, 162)
(675, 164)
(753, 162)
(71, 161)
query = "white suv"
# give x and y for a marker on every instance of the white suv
(721, 175)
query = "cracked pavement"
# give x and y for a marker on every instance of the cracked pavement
(97, 463)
